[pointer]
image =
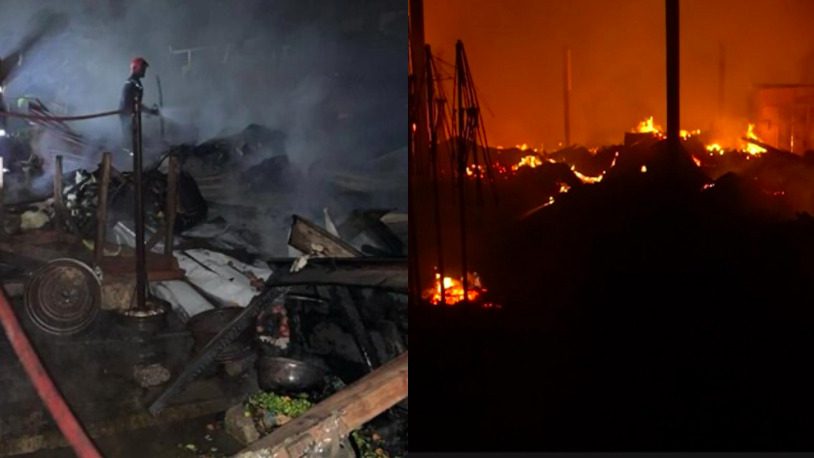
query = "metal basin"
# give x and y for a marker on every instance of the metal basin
(277, 373)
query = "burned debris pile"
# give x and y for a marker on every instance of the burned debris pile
(659, 304)
(317, 317)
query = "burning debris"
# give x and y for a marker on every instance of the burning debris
(450, 291)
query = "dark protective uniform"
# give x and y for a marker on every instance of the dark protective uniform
(132, 89)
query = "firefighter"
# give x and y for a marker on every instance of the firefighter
(132, 89)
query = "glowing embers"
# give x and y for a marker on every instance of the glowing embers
(715, 148)
(453, 290)
(476, 171)
(530, 161)
(588, 179)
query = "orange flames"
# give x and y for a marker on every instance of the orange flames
(454, 290)
(647, 127)
(751, 148)
(530, 161)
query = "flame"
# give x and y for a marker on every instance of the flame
(647, 127)
(454, 290)
(685, 134)
(697, 161)
(530, 161)
(751, 148)
(522, 147)
(564, 188)
(644, 169)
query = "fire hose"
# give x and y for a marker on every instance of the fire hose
(47, 391)
(60, 118)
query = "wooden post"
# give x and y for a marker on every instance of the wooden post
(673, 113)
(436, 195)
(347, 300)
(461, 152)
(101, 210)
(59, 203)
(172, 202)
(141, 262)
(417, 135)
(338, 415)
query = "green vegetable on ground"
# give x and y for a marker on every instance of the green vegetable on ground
(279, 405)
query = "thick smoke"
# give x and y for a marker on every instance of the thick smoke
(330, 75)
(515, 49)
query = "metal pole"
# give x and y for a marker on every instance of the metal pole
(436, 200)
(59, 204)
(2, 198)
(172, 199)
(141, 270)
(462, 159)
(673, 121)
(567, 95)
(101, 210)
(417, 136)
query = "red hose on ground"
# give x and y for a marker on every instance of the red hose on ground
(49, 394)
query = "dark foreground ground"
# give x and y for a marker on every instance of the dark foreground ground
(642, 313)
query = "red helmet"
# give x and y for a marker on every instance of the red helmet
(138, 64)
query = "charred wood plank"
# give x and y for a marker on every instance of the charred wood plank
(369, 222)
(309, 238)
(172, 203)
(206, 357)
(101, 209)
(386, 274)
(348, 301)
(338, 415)
(157, 235)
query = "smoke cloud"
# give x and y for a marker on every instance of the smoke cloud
(330, 75)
